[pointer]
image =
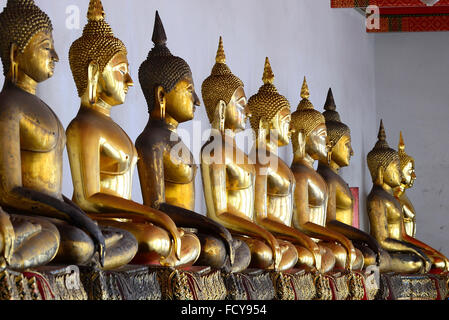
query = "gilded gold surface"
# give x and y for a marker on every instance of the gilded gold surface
(228, 176)
(385, 213)
(310, 143)
(339, 215)
(407, 167)
(274, 180)
(102, 156)
(32, 140)
(166, 166)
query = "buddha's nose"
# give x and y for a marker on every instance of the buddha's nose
(54, 55)
(248, 112)
(129, 81)
(196, 99)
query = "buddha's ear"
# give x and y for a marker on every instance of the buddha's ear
(330, 147)
(93, 74)
(160, 97)
(14, 65)
(220, 116)
(301, 139)
(380, 176)
(263, 130)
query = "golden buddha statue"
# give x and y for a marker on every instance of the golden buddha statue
(228, 175)
(168, 179)
(407, 167)
(102, 156)
(385, 213)
(32, 140)
(311, 194)
(274, 183)
(340, 204)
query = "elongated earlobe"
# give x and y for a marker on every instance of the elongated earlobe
(220, 117)
(329, 153)
(14, 64)
(160, 101)
(301, 144)
(93, 74)
(380, 176)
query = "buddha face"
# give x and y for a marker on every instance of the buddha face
(237, 111)
(392, 174)
(39, 57)
(115, 80)
(181, 101)
(342, 151)
(280, 125)
(408, 175)
(316, 143)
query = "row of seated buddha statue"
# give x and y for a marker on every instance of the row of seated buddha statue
(261, 212)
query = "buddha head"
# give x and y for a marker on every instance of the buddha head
(338, 134)
(383, 162)
(270, 111)
(310, 133)
(99, 62)
(224, 96)
(166, 81)
(26, 42)
(407, 164)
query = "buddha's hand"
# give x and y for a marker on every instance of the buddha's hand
(378, 257)
(313, 247)
(8, 235)
(427, 263)
(352, 254)
(94, 230)
(277, 251)
(172, 259)
(317, 256)
(230, 244)
(176, 234)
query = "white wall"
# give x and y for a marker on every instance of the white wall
(301, 37)
(412, 95)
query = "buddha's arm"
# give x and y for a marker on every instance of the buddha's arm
(214, 177)
(84, 150)
(281, 230)
(343, 228)
(410, 214)
(378, 225)
(14, 195)
(301, 220)
(151, 175)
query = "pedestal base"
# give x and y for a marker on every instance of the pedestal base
(58, 282)
(294, 284)
(195, 283)
(251, 284)
(413, 287)
(362, 286)
(129, 282)
(15, 286)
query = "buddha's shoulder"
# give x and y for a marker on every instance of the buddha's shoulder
(84, 123)
(300, 170)
(15, 102)
(156, 137)
(327, 174)
(380, 196)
